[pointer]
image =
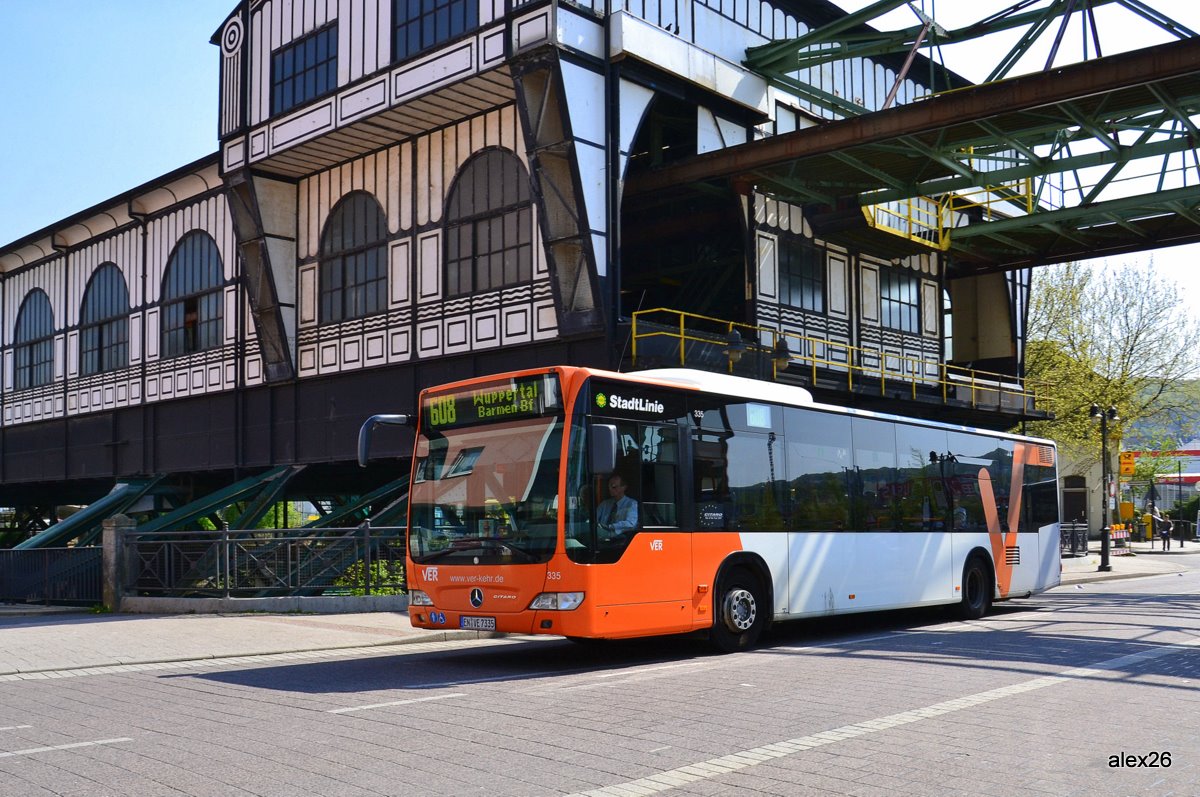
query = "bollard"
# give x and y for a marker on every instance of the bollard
(1104, 543)
(114, 532)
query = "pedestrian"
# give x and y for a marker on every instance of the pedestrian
(1163, 526)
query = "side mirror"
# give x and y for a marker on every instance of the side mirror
(364, 433)
(603, 448)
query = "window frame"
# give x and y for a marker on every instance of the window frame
(899, 300)
(295, 82)
(104, 332)
(33, 342)
(413, 35)
(802, 274)
(361, 267)
(467, 268)
(189, 304)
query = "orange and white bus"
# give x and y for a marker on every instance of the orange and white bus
(751, 503)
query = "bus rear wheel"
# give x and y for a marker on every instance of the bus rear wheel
(739, 612)
(976, 589)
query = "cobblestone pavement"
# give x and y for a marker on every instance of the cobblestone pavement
(1041, 698)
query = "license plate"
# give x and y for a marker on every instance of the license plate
(477, 623)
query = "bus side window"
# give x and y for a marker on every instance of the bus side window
(660, 472)
(714, 508)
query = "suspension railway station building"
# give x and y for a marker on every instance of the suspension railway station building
(403, 194)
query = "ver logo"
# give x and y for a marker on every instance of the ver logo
(429, 574)
(601, 400)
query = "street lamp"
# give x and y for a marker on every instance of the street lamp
(781, 355)
(734, 347)
(1179, 499)
(1105, 416)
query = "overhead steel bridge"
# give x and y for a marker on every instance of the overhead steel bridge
(1087, 160)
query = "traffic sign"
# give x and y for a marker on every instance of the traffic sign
(1127, 463)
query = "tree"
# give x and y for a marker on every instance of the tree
(1158, 459)
(1119, 337)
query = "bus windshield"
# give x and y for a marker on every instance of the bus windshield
(486, 474)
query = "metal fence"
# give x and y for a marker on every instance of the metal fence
(1074, 540)
(69, 576)
(238, 564)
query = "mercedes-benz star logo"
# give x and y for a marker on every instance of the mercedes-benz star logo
(477, 597)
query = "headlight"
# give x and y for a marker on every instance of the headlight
(557, 601)
(418, 598)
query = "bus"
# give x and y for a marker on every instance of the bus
(751, 503)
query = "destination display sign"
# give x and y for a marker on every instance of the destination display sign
(492, 402)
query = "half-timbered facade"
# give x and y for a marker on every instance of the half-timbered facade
(405, 193)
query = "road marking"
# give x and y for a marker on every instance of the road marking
(641, 670)
(395, 703)
(705, 770)
(494, 678)
(34, 750)
(842, 643)
(15, 727)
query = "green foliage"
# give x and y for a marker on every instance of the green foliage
(10, 537)
(1189, 510)
(386, 575)
(1113, 338)
(284, 513)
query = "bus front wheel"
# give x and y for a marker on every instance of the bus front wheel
(976, 589)
(739, 613)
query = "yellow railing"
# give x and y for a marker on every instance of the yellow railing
(829, 359)
(920, 219)
(929, 220)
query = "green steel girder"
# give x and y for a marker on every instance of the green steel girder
(849, 37)
(1074, 133)
(802, 191)
(807, 91)
(84, 526)
(943, 185)
(1187, 212)
(258, 506)
(247, 489)
(373, 505)
(1127, 208)
(1177, 110)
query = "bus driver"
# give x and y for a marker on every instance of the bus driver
(618, 513)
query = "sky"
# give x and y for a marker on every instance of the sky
(101, 97)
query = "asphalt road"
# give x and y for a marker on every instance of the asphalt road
(1088, 690)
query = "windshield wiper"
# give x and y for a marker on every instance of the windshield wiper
(480, 543)
(528, 554)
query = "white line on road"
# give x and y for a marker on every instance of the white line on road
(15, 727)
(704, 770)
(34, 750)
(395, 703)
(494, 678)
(639, 671)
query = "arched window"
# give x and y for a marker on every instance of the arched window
(354, 260)
(192, 297)
(104, 322)
(489, 225)
(34, 349)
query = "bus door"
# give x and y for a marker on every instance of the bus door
(660, 551)
(647, 549)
